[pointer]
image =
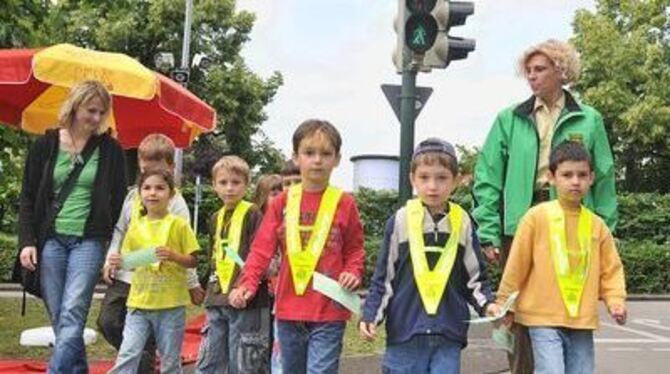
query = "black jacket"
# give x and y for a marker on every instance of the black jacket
(37, 190)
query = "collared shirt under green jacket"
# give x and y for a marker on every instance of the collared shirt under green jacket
(506, 167)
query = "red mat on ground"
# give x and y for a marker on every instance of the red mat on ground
(189, 354)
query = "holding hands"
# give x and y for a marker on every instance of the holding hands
(113, 262)
(239, 297)
(348, 281)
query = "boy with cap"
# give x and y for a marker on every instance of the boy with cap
(428, 270)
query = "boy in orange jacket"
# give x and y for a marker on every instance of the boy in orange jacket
(563, 260)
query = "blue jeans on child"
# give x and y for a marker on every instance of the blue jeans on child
(423, 354)
(562, 350)
(69, 268)
(275, 360)
(236, 340)
(167, 326)
(310, 347)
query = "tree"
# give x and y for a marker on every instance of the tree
(20, 22)
(625, 54)
(143, 28)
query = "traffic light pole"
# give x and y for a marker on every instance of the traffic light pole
(407, 117)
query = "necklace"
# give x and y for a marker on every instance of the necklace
(75, 156)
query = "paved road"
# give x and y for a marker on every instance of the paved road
(642, 346)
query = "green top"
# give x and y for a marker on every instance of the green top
(71, 219)
(507, 164)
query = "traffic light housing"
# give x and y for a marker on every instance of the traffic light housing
(448, 48)
(422, 28)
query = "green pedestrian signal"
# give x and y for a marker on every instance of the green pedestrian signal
(420, 32)
(422, 27)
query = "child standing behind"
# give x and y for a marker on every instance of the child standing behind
(320, 231)
(563, 260)
(158, 291)
(234, 341)
(155, 151)
(290, 174)
(428, 270)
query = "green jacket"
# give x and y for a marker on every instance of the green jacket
(507, 165)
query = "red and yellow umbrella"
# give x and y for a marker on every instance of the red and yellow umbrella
(35, 82)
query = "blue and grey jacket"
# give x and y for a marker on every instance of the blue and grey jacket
(394, 296)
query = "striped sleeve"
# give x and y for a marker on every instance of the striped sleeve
(380, 291)
(478, 286)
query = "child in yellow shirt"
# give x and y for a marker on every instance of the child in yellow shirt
(562, 261)
(158, 291)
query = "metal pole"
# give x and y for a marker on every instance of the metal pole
(185, 58)
(407, 117)
(196, 206)
(186, 42)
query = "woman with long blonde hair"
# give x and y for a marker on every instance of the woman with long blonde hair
(66, 218)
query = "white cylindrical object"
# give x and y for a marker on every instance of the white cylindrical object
(377, 172)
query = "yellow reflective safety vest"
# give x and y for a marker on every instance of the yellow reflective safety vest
(225, 265)
(303, 261)
(431, 283)
(570, 281)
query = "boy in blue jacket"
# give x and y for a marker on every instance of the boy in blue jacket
(428, 270)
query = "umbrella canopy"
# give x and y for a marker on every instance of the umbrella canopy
(35, 82)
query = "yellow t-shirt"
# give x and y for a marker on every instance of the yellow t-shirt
(159, 286)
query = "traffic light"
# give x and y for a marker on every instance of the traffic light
(416, 29)
(422, 39)
(447, 48)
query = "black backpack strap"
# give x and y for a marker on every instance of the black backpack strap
(69, 183)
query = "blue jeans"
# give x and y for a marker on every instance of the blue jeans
(423, 354)
(69, 269)
(275, 360)
(562, 350)
(167, 326)
(310, 347)
(236, 340)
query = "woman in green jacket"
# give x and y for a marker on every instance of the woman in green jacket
(510, 175)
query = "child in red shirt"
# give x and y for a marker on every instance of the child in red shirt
(310, 325)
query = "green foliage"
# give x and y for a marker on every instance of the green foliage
(375, 209)
(20, 22)
(645, 217)
(625, 49)
(8, 250)
(646, 265)
(13, 146)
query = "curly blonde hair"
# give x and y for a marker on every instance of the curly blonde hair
(563, 55)
(81, 94)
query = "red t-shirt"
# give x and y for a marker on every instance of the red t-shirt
(343, 252)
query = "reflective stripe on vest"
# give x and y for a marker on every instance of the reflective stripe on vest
(225, 266)
(303, 261)
(570, 281)
(431, 283)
